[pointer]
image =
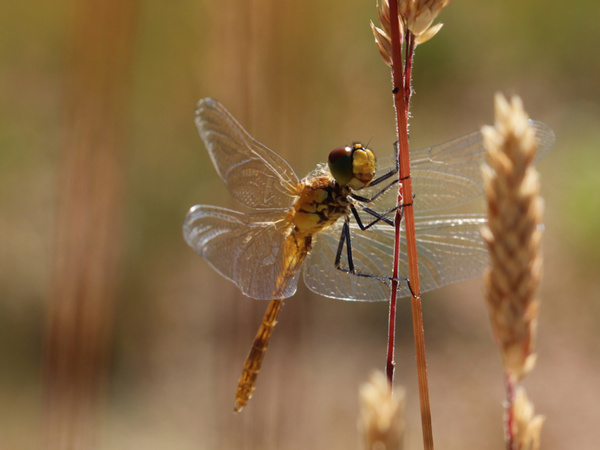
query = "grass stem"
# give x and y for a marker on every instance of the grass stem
(402, 90)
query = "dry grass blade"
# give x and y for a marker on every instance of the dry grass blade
(513, 235)
(382, 414)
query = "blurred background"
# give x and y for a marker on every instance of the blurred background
(303, 78)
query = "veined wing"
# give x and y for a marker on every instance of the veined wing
(245, 248)
(255, 175)
(450, 249)
(374, 250)
(449, 174)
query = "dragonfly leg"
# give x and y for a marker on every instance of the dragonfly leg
(378, 216)
(345, 239)
(384, 177)
(376, 196)
(382, 191)
(393, 171)
(412, 293)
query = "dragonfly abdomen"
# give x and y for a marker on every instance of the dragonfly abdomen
(296, 246)
(247, 381)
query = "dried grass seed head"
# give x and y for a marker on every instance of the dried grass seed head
(527, 426)
(382, 414)
(384, 44)
(418, 15)
(414, 15)
(513, 234)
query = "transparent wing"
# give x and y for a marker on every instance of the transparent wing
(244, 248)
(449, 174)
(450, 249)
(372, 255)
(256, 176)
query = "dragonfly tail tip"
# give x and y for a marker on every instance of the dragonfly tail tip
(237, 408)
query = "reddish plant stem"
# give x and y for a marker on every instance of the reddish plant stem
(390, 365)
(509, 412)
(402, 90)
(408, 60)
(398, 84)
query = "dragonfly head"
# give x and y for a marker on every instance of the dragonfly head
(352, 166)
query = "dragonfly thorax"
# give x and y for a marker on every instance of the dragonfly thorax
(321, 201)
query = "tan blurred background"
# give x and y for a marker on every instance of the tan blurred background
(304, 78)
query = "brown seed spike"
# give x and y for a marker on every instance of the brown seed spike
(528, 426)
(513, 235)
(381, 419)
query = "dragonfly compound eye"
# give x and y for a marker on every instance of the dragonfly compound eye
(341, 164)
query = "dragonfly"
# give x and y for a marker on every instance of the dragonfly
(296, 226)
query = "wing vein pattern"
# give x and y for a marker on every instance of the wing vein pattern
(244, 248)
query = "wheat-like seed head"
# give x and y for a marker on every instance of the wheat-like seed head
(513, 235)
(527, 426)
(382, 415)
(418, 15)
(415, 16)
(384, 43)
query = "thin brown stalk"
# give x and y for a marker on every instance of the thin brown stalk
(513, 235)
(401, 76)
(406, 22)
(402, 130)
(84, 273)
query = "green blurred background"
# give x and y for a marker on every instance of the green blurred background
(303, 77)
